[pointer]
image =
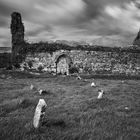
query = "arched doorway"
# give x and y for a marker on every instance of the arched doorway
(63, 63)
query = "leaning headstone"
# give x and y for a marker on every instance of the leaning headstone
(40, 91)
(32, 87)
(39, 113)
(100, 94)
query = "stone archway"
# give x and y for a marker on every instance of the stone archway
(63, 63)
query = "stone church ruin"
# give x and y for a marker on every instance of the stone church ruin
(65, 59)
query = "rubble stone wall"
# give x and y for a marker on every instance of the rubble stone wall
(91, 62)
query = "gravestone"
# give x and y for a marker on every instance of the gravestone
(100, 94)
(39, 113)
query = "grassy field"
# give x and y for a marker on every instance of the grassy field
(73, 111)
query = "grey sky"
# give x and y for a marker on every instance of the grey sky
(71, 19)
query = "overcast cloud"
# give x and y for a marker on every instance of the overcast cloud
(71, 19)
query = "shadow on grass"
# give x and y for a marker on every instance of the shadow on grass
(54, 123)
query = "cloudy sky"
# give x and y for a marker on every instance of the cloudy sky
(71, 19)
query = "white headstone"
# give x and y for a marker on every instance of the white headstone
(31, 87)
(100, 94)
(93, 84)
(39, 112)
(40, 91)
(126, 108)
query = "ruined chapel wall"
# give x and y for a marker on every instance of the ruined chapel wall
(95, 62)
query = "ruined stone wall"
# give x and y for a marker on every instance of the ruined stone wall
(17, 32)
(92, 62)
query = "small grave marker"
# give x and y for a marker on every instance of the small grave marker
(93, 84)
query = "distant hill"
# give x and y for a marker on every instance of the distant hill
(101, 41)
(112, 42)
(5, 49)
(71, 43)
